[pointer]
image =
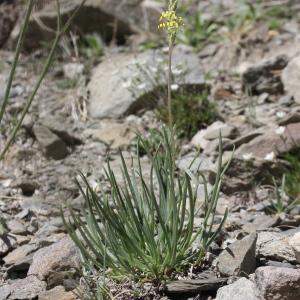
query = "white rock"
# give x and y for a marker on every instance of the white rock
(294, 241)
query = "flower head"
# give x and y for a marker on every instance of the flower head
(247, 156)
(170, 22)
(270, 156)
(280, 130)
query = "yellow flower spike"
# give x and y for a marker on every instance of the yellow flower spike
(171, 22)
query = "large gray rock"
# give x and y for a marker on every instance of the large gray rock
(271, 141)
(51, 145)
(110, 18)
(294, 242)
(59, 256)
(22, 289)
(265, 77)
(275, 245)
(278, 283)
(239, 258)
(291, 78)
(125, 83)
(242, 289)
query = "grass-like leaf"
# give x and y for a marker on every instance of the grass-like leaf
(145, 227)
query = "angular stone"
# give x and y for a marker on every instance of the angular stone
(213, 131)
(59, 256)
(22, 289)
(109, 18)
(7, 243)
(241, 140)
(51, 145)
(239, 258)
(274, 245)
(114, 134)
(242, 289)
(270, 142)
(195, 286)
(278, 283)
(294, 241)
(265, 76)
(291, 78)
(58, 293)
(19, 254)
(125, 83)
(16, 227)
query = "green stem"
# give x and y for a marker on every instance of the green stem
(16, 58)
(169, 102)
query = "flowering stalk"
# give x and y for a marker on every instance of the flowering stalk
(171, 23)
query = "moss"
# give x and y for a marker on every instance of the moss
(191, 112)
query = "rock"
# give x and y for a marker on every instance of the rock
(294, 242)
(8, 17)
(51, 145)
(59, 256)
(241, 140)
(239, 258)
(202, 138)
(58, 293)
(19, 254)
(242, 174)
(109, 18)
(28, 187)
(195, 163)
(291, 78)
(274, 245)
(262, 222)
(125, 83)
(242, 289)
(290, 118)
(7, 243)
(20, 267)
(213, 131)
(272, 142)
(265, 77)
(22, 289)
(114, 134)
(16, 227)
(278, 283)
(195, 286)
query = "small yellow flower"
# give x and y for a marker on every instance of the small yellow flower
(170, 21)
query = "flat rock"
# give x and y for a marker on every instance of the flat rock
(57, 293)
(275, 245)
(19, 254)
(22, 289)
(123, 83)
(114, 134)
(59, 256)
(202, 137)
(51, 145)
(278, 283)
(265, 76)
(195, 286)
(16, 227)
(239, 258)
(294, 242)
(270, 142)
(242, 289)
(291, 78)
(7, 243)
